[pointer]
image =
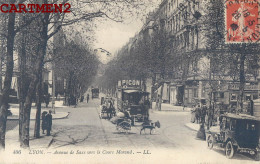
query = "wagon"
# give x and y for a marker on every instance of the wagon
(236, 134)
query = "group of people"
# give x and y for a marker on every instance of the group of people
(200, 113)
(46, 122)
(108, 108)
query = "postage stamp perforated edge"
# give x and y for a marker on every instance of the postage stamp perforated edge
(225, 23)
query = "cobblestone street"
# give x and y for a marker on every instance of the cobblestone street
(85, 130)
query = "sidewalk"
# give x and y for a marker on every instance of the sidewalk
(171, 108)
(12, 136)
(193, 126)
(14, 108)
(12, 139)
(196, 127)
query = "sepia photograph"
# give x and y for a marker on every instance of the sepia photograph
(130, 81)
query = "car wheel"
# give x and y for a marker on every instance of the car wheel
(257, 156)
(230, 151)
(210, 141)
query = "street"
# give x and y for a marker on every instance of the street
(85, 130)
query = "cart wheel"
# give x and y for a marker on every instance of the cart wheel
(124, 127)
(210, 141)
(230, 151)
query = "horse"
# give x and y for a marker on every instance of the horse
(150, 126)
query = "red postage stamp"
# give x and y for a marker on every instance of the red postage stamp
(242, 21)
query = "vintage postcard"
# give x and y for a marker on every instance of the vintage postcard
(128, 81)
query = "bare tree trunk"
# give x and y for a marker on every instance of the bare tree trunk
(242, 80)
(210, 96)
(8, 77)
(39, 107)
(38, 69)
(2, 52)
(21, 79)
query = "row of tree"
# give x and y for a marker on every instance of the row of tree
(78, 65)
(29, 35)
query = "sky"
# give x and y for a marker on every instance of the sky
(104, 33)
(111, 36)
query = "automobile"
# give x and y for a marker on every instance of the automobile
(136, 102)
(236, 133)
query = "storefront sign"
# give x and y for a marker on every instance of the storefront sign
(129, 83)
(247, 87)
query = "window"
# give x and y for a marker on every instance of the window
(190, 96)
(195, 92)
(221, 95)
(233, 97)
(250, 126)
(255, 97)
(227, 126)
(186, 93)
(233, 125)
(248, 97)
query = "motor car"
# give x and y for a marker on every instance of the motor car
(237, 133)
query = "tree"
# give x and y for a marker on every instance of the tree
(8, 77)
(78, 66)
(90, 11)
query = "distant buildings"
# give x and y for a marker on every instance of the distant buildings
(195, 74)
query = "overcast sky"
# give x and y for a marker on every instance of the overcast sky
(111, 35)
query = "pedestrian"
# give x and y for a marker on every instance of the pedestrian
(44, 123)
(47, 99)
(198, 114)
(203, 113)
(87, 98)
(49, 122)
(147, 106)
(110, 109)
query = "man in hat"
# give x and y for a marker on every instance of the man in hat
(49, 123)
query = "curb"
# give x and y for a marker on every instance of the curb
(190, 128)
(170, 111)
(64, 117)
(173, 111)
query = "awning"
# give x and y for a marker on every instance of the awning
(134, 91)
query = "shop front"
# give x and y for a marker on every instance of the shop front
(250, 93)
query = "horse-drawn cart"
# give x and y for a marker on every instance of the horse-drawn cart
(123, 125)
(107, 108)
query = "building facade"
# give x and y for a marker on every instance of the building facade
(194, 72)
